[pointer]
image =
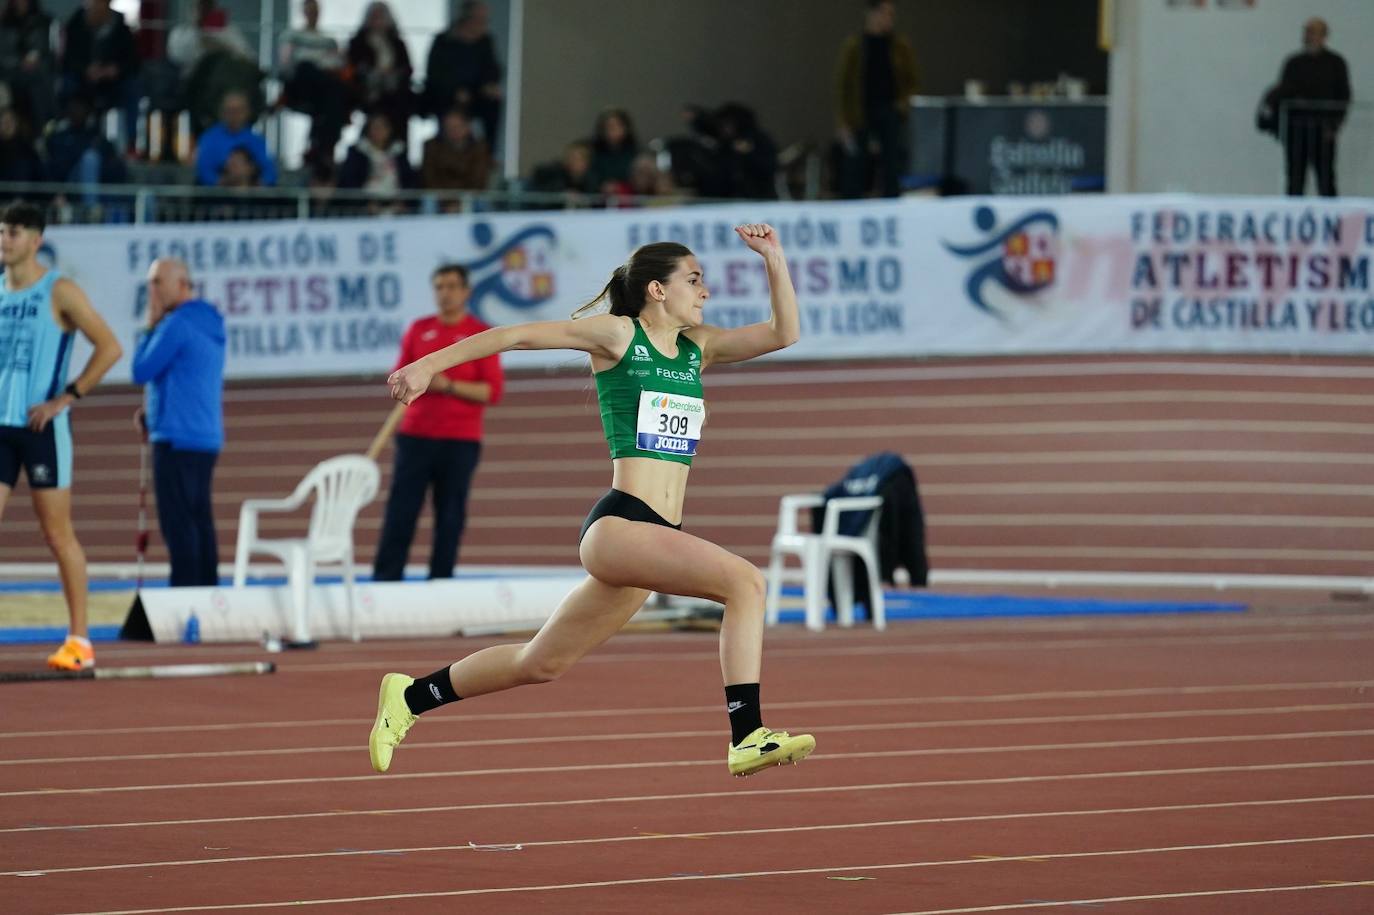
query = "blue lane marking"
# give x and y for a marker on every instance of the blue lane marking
(28, 635)
(925, 605)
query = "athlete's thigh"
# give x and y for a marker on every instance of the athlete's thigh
(4, 498)
(590, 614)
(53, 506)
(642, 555)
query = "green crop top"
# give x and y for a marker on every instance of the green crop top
(652, 406)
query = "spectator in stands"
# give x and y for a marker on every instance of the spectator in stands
(748, 156)
(234, 130)
(695, 154)
(312, 73)
(463, 71)
(99, 60)
(19, 160)
(215, 59)
(613, 151)
(79, 153)
(381, 68)
(648, 180)
(377, 164)
(572, 175)
(455, 159)
(1313, 93)
(159, 79)
(26, 60)
(180, 357)
(323, 181)
(440, 437)
(875, 78)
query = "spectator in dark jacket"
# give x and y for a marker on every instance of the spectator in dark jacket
(749, 157)
(613, 152)
(462, 70)
(571, 175)
(77, 151)
(26, 60)
(455, 159)
(1313, 94)
(875, 77)
(377, 162)
(381, 68)
(180, 358)
(100, 61)
(19, 160)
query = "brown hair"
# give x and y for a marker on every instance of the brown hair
(630, 281)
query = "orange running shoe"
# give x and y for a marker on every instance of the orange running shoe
(73, 655)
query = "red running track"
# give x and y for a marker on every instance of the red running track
(1198, 764)
(1101, 463)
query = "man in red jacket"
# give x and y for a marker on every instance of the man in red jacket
(440, 438)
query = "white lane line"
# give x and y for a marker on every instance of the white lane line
(684, 763)
(640, 881)
(992, 698)
(759, 792)
(718, 833)
(1101, 900)
(926, 724)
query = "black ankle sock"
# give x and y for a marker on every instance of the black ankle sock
(430, 692)
(742, 702)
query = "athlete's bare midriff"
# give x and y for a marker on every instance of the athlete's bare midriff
(661, 485)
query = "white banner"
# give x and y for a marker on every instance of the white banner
(963, 276)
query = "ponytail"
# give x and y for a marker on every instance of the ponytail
(628, 285)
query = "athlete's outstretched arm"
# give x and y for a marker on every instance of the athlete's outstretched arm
(720, 345)
(77, 313)
(603, 335)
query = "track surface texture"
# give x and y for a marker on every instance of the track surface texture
(1177, 764)
(1104, 463)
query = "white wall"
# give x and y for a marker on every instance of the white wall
(1185, 82)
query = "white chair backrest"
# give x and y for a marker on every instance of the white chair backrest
(341, 486)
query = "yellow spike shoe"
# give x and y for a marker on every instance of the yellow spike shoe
(765, 748)
(394, 719)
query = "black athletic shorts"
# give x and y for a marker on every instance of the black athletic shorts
(45, 456)
(619, 504)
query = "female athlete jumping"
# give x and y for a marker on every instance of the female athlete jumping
(647, 355)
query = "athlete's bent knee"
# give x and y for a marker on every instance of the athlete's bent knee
(748, 586)
(532, 668)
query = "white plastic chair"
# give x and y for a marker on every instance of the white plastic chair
(341, 486)
(828, 549)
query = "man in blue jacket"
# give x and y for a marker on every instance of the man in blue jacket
(234, 130)
(180, 357)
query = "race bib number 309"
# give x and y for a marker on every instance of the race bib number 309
(669, 423)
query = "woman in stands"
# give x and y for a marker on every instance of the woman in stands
(647, 355)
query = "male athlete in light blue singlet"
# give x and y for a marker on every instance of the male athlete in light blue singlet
(40, 313)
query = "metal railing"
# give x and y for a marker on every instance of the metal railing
(82, 204)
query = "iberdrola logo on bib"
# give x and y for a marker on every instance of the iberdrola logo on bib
(666, 402)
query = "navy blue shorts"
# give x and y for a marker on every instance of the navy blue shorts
(45, 456)
(619, 504)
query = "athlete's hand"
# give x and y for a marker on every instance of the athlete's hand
(760, 237)
(409, 382)
(42, 414)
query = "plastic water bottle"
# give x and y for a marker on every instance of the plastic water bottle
(192, 634)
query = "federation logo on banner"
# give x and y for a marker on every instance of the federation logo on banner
(1021, 258)
(518, 271)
